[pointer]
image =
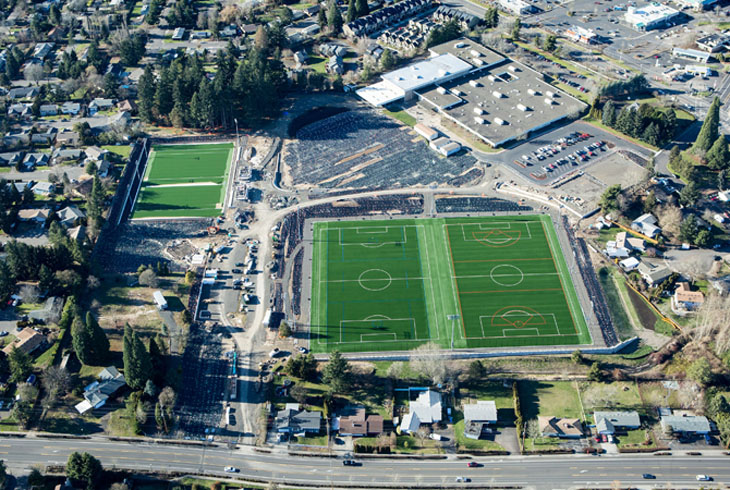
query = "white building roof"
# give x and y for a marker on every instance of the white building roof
(481, 411)
(427, 406)
(649, 14)
(381, 93)
(417, 75)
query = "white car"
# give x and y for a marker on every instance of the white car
(274, 352)
(703, 478)
(230, 469)
(464, 479)
(303, 350)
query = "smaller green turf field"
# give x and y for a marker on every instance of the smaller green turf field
(184, 181)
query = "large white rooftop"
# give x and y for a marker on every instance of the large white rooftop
(432, 70)
(649, 14)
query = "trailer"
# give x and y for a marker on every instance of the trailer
(160, 300)
(267, 318)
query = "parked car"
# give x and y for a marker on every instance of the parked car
(462, 479)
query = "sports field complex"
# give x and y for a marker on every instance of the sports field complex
(183, 181)
(498, 281)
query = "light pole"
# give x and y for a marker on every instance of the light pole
(238, 141)
(453, 319)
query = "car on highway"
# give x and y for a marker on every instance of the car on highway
(462, 479)
(350, 462)
(648, 476)
(472, 464)
(703, 478)
(231, 469)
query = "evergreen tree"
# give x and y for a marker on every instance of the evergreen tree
(551, 42)
(99, 340)
(491, 17)
(718, 157)
(137, 364)
(322, 18)
(7, 281)
(362, 7)
(84, 468)
(157, 361)
(652, 135)
(21, 365)
(46, 280)
(146, 88)
(70, 311)
(334, 18)
(351, 11)
(95, 204)
(709, 131)
(609, 114)
(516, 27)
(387, 60)
(82, 342)
(689, 194)
(337, 373)
(595, 111)
(688, 229)
(723, 180)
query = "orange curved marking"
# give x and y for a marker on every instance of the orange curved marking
(504, 239)
(534, 318)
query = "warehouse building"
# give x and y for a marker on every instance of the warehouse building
(496, 99)
(651, 16)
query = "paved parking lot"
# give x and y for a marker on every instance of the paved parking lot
(534, 169)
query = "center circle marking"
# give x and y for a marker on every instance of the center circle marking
(513, 275)
(378, 276)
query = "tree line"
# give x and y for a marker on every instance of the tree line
(647, 123)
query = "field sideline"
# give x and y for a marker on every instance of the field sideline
(462, 282)
(184, 181)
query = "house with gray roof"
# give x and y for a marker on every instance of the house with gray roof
(44, 188)
(11, 158)
(67, 155)
(72, 108)
(609, 422)
(97, 393)
(18, 93)
(33, 160)
(48, 109)
(477, 416)
(653, 274)
(646, 224)
(70, 216)
(294, 421)
(686, 424)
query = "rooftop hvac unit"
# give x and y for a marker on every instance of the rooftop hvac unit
(460, 45)
(475, 53)
(479, 120)
(513, 69)
(456, 92)
(531, 91)
(548, 101)
(499, 121)
(550, 94)
(474, 83)
(497, 94)
(477, 61)
(441, 90)
(478, 111)
(522, 107)
(491, 78)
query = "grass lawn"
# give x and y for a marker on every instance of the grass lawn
(5, 169)
(8, 424)
(549, 398)
(402, 116)
(491, 390)
(465, 443)
(121, 150)
(655, 394)
(301, 5)
(619, 395)
(410, 444)
(194, 201)
(540, 444)
(635, 438)
(390, 285)
(317, 63)
(624, 324)
(311, 441)
(7, 340)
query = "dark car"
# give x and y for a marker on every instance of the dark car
(472, 464)
(648, 476)
(350, 462)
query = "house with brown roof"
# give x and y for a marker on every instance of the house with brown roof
(34, 215)
(27, 340)
(359, 425)
(684, 300)
(563, 428)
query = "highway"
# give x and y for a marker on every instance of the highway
(537, 472)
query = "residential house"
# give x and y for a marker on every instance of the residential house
(357, 424)
(335, 65)
(38, 216)
(51, 311)
(77, 234)
(105, 168)
(563, 428)
(300, 57)
(27, 340)
(465, 20)
(100, 104)
(630, 264)
(230, 30)
(95, 153)
(646, 224)
(426, 409)
(67, 155)
(33, 160)
(653, 274)
(18, 93)
(385, 17)
(684, 300)
(291, 420)
(57, 34)
(70, 216)
(44, 189)
(67, 138)
(127, 105)
(477, 416)
(249, 29)
(20, 110)
(47, 137)
(48, 110)
(71, 108)
(685, 424)
(42, 50)
(11, 158)
(97, 393)
(120, 119)
(609, 422)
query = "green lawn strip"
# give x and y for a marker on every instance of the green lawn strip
(619, 282)
(402, 116)
(411, 445)
(121, 150)
(639, 353)
(567, 281)
(311, 441)
(540, 444)
(317, 63)
(465, 443)
(8, 424)
(549, 398)
(618, 308)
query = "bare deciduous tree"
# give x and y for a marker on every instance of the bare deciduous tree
(396, 370)
(29, 294)
(34, 73)
(428, 361)
(148, 278)
(713, 322)
(167, 398)
(669, 219)
(56, 382)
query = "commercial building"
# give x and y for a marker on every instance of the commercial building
(651, 16)
(714, 43)
(697, 4)
(581, 35)
(698, 70)
(492, 97)
(517, 7)
(691, 54)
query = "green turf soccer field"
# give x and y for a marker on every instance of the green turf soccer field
(184, 181)
(392, 285)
